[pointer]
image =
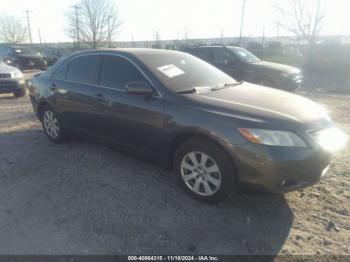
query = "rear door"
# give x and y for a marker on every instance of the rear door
(74, 92)
(130, 120)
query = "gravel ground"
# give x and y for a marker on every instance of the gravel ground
(83, 198)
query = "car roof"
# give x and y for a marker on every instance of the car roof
(132, 51)
(210, 46)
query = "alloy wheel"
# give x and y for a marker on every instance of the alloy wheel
(51, 124)
(200, 173)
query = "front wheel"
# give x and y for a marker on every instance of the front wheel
(52, 126)
(19, 93)
(205, 170)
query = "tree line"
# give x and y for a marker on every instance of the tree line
(97, 22)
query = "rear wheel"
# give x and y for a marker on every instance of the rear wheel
(52, 125)
(205, 171)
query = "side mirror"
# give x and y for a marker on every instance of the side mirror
(139, 88)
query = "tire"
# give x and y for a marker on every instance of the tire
(52, 126)
(19, 93)
(217, 172)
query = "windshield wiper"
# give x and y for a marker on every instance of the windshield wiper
(193, 90)
(227, 85)
(186, 91)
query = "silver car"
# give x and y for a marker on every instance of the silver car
(11, 80)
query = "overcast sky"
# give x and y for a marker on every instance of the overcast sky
(201, 18)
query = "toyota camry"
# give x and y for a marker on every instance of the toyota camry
(216, 133)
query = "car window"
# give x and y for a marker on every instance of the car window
(181, 71)
(60, 74)
(206, 54)
(81, 69)
(244, 55)
(116, 72)
(5, 51)
(223, 57)
(24, 51)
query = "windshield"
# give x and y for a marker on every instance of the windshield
(244, 55)
(23, 51)
(180, 71)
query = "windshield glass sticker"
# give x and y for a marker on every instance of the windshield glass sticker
(170, 70)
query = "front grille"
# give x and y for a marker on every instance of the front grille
(298, 78)
(5, 75)
(8, 84)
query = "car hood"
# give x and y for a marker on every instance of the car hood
(277, 67)
(30, 56)
(263, 104)
(5, 69)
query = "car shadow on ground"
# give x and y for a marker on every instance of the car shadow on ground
(82, 198)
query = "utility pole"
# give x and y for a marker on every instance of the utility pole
(263, 43)
(109, 32)
(40, 37)
(222, 36)
(29, 31)
(76, 7)
(242, 21)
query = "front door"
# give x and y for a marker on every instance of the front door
(131, 120)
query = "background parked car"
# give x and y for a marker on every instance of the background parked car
(243, 65)
(52, 55)
(11, 80)
(22, 57)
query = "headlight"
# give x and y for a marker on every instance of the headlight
(17, 74)
(272, 137)
(291, 74)
(330, 139)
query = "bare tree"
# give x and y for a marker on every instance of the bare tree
(12, 30)
(302, 18)
(98, 22)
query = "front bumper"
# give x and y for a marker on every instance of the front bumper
(279, 169)
(11, 85)
(291, 84)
